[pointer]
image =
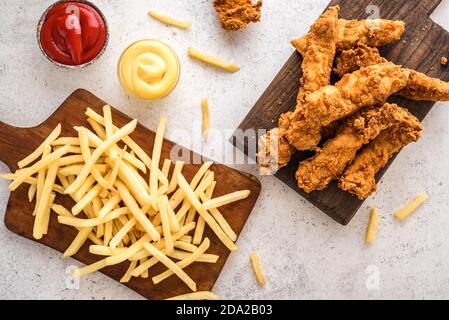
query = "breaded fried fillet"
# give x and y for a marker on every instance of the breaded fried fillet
(237, 14)
(359, 178)
(366, 87)
(330, 162)
(274, 150)
(419, 86)
(374, 33)
(353, 59)
(422, 87)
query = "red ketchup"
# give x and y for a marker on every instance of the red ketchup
(73, 33)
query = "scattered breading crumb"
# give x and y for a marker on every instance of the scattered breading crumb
(443, 60)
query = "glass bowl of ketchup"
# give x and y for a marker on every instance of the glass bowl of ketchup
(73, 34)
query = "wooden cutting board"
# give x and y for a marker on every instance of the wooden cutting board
(420, 48)
(16, 143)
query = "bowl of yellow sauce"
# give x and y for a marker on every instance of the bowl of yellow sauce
(148, 69)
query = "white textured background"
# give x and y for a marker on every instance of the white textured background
(304, 253)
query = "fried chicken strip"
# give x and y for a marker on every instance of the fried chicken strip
(274, 150)
(419, 86)
(237, 14)
(374, 33)
(330, 162)
(359, 178)
(368, 86)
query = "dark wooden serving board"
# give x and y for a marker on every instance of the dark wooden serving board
(420, 48)
(16, 143)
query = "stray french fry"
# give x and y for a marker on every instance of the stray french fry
(170, 21)
(227, 66)
(200, 295)
(205, 117)
(411, 207)
(255, 261)
(373, 226)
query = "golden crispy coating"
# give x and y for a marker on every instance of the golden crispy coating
(320, 53)
(374, 33)
(237, 14)
(359, 178)
(317, 68)
(274, 152)
(353, 59)
(330, 162)
(419, 85)
(366, 87)
(422, 87)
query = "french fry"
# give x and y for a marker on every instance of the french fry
(122, 233)
(165, 226)
(101, 250)
(85, 151)
(411, 207)
(90, 268)
(179, 195)
(127, 275)
(183, 263)
(74, 159)
(39, 150)
(44, 162)
(127, 140)
(174, 223)
(173, 182)
(372, 227)
(135, 210)
(255, 261)
(117, 136)
(46, 214)
(199, 231)
(206, 258)
(129, 252)
(205, 117)
(78, 242)
(170, 265)
(81, 192)
(92, 222)
(109, 206)
(226, 199)
(170, 21)
(185, 246)
(44, 201)
(215, 62)
(200, 295)
(221, 220)
(75, 169)
(32, 192)
(157, 148)
(108, 230)
(204, 214)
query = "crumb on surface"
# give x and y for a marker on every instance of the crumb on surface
(443, 60)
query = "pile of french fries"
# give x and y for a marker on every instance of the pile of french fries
(126, 216)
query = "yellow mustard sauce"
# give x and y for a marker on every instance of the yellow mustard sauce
(148, 69)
